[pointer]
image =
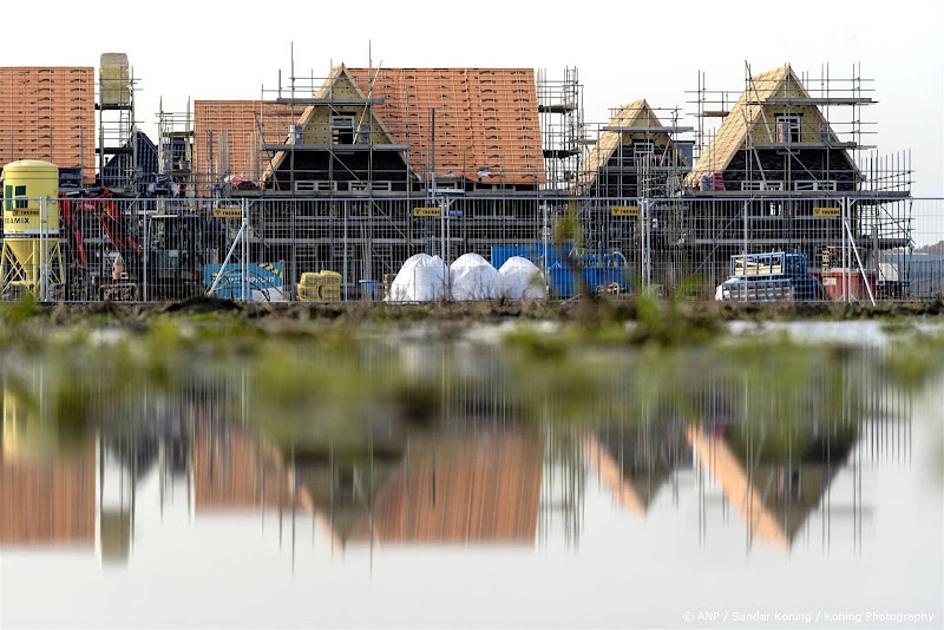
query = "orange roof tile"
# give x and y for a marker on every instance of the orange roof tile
(486, 119)
(48, 113)
(247, 124)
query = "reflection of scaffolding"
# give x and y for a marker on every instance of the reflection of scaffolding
(560, 106)
(562, 489)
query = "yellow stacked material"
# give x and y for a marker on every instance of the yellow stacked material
(323, 286)
(330, 286)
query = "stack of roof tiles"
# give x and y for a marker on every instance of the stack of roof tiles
(247, 126)
(48, 113)
(486, 120)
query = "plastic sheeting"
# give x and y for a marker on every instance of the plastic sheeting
(471, 277)
(421, 279)
(520, 279)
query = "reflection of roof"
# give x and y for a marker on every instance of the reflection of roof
(773, 503)
(637, 114)
(474, 488)
(486, 118)
(232, 471)
(631, 463)
(49, 501)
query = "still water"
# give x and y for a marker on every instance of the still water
(463, 484)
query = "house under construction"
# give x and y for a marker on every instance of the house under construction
(356, 171)
(787, 168)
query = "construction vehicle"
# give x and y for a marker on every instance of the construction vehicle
(168, 266)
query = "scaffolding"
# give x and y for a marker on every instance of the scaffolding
(175, 147)
(840, 131)
(636, 155)
(117, 145)
(560, 106)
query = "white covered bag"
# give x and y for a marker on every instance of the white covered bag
(421, 279)
(520, 279)
(471, 277)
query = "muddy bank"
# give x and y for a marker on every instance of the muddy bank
(624, 310)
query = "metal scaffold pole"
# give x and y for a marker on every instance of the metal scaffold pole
(244, 262)
(544, 234)
(346, 279)
(43, 262)
(144, 280)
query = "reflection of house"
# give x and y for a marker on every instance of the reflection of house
(775, 497)
(633, 462)
(48, 501)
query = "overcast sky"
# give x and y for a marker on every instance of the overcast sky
(624, 50)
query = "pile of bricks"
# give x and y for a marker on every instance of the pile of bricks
(48, 113)
(487, 126)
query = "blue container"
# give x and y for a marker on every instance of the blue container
(369, 290)
(532, 251)
(562, 283)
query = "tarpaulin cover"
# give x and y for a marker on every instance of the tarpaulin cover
(421, 279)
(520, 279)
(471, 277)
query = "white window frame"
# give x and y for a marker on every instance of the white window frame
(794, 127)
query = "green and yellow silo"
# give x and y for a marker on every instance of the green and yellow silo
(30, 228)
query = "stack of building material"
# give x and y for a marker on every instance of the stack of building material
(48, 113)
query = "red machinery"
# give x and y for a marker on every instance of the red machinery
(107, 212)
(169, 266)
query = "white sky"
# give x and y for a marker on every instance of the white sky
(624, 50)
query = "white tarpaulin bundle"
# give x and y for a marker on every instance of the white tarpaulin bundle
(421, 279)
(471, 277)
(520, 279)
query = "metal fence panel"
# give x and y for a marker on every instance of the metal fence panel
(250, 248)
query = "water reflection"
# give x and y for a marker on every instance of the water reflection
(763, 458)
(477, 460)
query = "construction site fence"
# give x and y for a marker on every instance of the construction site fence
(854, 248)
